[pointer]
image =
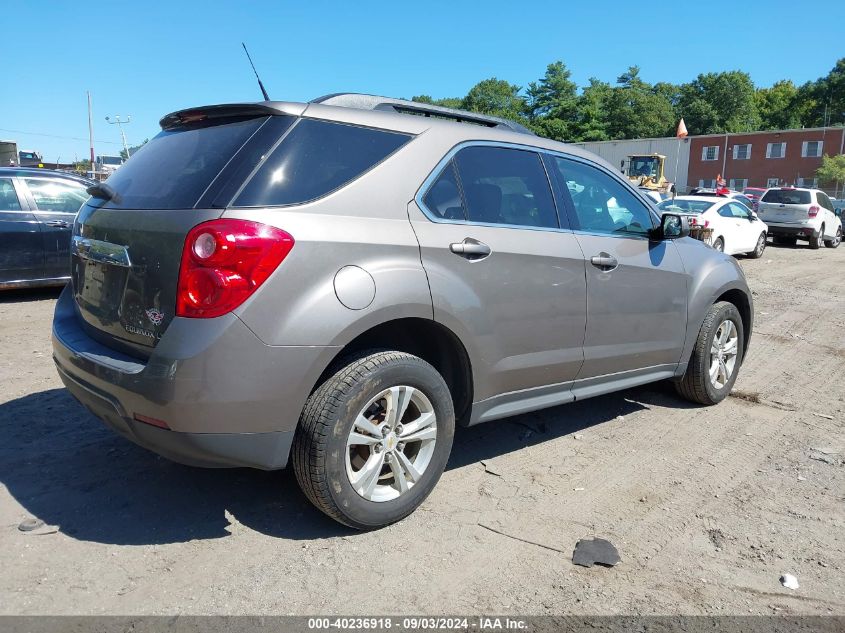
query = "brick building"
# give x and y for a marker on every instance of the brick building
(753, 159)
(762, 159)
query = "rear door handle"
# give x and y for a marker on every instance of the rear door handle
(604, 261)
(59, 223)
(471, 249)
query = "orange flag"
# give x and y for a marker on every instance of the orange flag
(682, 129)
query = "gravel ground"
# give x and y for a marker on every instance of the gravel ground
(708, 507)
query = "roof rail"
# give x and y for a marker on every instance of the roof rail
(403, 106)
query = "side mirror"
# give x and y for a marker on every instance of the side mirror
(672, 227)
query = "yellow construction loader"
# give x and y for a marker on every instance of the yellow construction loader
(647, 171)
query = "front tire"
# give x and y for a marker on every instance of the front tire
(719, 245)
(716, 358)
(836, 241)
(374, 438)
(757, 253)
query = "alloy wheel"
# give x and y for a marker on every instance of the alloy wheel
(391, 443)
(723, 354)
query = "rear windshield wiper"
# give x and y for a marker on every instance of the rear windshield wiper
(102, 190)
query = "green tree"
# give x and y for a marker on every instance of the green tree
(591, 112)
(822, 102)
(775, 106)
(552, 102)
(636, 110)
(496, 97)
(719, 102)
(832, 170)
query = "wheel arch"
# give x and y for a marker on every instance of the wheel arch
(425, 338)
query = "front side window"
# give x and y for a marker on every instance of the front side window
(316, 158)
(8, 196)
(55, 195)
(601, 203)
(505, 186)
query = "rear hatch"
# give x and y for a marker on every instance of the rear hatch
(785, 206)
(129, 236)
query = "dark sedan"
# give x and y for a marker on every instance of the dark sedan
(37, 210)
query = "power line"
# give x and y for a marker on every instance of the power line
(69, 138)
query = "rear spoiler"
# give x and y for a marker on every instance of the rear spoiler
(205, 113)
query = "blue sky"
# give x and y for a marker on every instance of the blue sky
(148, 58)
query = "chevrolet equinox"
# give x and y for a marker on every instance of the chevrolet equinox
(338, 283)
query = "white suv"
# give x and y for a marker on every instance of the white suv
(800, 213)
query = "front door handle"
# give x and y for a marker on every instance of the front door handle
(471, 249)
(604, 261)
(58, 223)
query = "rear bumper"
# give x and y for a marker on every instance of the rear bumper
(793, 230)
(227, 398)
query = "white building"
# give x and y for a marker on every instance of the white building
(677, 154)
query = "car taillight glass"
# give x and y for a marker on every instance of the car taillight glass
(697, 222)
(224, 262)
(813, 212)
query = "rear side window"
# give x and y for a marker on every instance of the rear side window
(177, 166)
(316, 158)
(444, 197)
(787, 196)
(505, 186)
(824, 200)
(56, 195)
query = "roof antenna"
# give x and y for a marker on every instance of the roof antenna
(260, 85)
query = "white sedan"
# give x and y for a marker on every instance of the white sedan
(736, 228)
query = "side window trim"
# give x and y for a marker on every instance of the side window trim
(570, 206)
(448, 160)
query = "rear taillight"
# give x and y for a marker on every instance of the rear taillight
(814, 211)
(223, 263)
(697, 222)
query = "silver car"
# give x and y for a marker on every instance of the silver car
(337, 284)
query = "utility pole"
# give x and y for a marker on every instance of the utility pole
(90, 132)
(122, 135)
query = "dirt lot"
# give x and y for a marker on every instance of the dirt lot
(708, 507)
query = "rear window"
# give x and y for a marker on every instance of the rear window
(787, 196)
(686, 206)
(316, 158)
(174, 169)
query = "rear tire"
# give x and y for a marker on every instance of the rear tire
(757, 253)
(816, 242)
(836, 241)
(698, 383)
(334, 450)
